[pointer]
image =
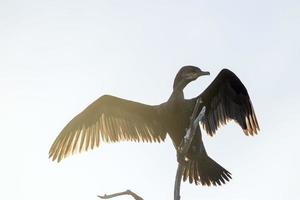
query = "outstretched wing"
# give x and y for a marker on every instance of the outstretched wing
(108, 119)
(226, 98)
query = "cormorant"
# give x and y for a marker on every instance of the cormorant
(112, 119)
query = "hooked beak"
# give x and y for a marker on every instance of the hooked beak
(193, 76)
(202, 73)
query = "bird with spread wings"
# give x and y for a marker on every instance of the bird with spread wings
(112, 119)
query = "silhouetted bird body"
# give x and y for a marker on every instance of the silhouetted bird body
(112, 119)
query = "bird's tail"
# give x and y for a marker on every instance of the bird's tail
(206, 171)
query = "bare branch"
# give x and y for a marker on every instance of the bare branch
(178, 182)
(185, 145)
(127, 192)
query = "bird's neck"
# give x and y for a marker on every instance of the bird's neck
(177, 93)
(179, 85)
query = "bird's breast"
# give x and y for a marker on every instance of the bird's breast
(177, 121)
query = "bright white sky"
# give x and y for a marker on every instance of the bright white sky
(56, 57)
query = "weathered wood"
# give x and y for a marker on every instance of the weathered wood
(127, 192)
(185, 145)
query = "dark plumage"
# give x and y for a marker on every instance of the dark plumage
(112, 119)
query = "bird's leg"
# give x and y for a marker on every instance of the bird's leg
(181, 152)
(200, 115)
(181, 157)
(198, 119)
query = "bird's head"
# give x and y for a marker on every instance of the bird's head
(187, 74)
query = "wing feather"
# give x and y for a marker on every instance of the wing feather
(109, 119)
(226, 98)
